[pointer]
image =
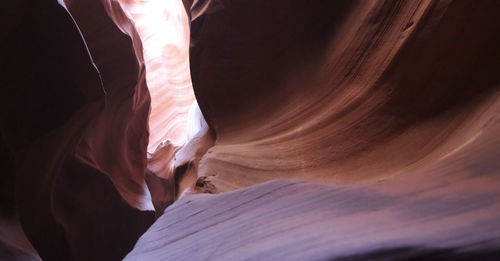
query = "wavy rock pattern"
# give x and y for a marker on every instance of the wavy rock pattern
(164, 32)
(298, 220)
(116, 50)
(340, 91)
(394, 102)
(76, 124)
(441, 211)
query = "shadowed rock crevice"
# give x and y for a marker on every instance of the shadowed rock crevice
(78, 135)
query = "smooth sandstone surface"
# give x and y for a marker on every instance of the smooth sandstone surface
(395, 102)
(299, 220)
(163, 28)
(74, 119)
(448, 210)
(344, 130)
(340, 91)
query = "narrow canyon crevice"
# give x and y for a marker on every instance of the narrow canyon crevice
(250, 130)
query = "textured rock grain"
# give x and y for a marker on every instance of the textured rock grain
(339, 91)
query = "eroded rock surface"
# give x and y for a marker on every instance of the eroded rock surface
(389, 110)
(340, 91)
(74, 116)
(164, 32)
(445, 209)
(395, 102)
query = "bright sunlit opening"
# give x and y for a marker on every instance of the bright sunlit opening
(164, 31)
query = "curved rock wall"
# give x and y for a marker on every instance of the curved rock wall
(76, 122)
(339, 91)
(396, 102)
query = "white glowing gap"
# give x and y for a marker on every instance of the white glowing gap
(164, 31)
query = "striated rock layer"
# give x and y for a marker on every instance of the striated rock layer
(164, 32)
(298, 220)
(340, 91)
(395, 102)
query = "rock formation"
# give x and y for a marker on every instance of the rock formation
(75, 117)
(339, 91)
(340, 130)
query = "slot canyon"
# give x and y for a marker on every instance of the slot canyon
(250, 130)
